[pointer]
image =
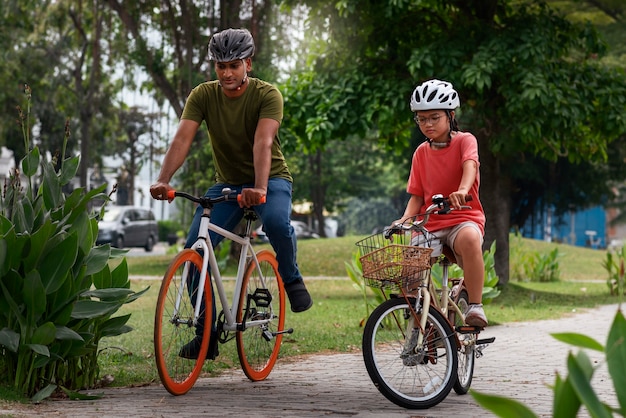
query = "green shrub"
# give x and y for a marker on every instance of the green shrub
(614, 265)
(575, 390)
(57, 292)
(533, 265)
(169, 231)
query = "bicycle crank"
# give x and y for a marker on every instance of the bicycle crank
(268, 335)
(482, 344)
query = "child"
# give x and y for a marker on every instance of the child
(447, 163)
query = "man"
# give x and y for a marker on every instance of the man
(243, 115)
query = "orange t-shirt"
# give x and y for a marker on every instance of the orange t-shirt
(439, 171)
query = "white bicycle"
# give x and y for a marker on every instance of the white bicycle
(256, 315)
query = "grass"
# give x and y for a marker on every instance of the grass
(334, 323)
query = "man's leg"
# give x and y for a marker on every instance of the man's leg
(276, 215)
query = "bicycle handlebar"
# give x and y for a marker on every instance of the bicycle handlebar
(207, 202)
(440, 206)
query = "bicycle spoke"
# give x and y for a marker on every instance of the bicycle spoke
(262, 311)
(173, 327)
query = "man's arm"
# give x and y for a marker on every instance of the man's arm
(266, 131)
(175, 157)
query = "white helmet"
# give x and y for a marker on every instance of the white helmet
(434, 95)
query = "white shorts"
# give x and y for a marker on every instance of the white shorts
(436, 240)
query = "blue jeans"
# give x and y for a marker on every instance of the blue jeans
(275, 215)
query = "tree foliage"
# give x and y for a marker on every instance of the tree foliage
(531, 84)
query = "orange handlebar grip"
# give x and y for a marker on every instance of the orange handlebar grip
(263, 199)
(171, 194)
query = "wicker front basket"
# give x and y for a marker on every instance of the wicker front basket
(394, 266)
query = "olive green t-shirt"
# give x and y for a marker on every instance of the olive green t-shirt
(232, 123)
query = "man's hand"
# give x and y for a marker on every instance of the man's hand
(251, 197)
(159, 190)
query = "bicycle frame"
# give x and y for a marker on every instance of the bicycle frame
(209, 259)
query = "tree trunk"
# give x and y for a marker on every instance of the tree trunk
(495, 196)
(318, 190)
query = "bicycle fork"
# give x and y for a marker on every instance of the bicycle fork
(413, 351)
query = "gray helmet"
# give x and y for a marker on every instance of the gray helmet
(230, 45)
(434, 95)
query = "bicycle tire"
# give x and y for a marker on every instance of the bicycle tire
(466, 349)
(258, 346)
(412, 380)
(172, 331)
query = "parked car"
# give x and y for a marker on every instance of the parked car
(128, 226)
(301, 229)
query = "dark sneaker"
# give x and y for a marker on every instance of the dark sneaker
(475, 316)
(192, 349)
(299, 297)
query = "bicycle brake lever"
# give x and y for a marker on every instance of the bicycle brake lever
(388, 231)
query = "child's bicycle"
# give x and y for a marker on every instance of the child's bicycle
(185, 303)
(416, 345)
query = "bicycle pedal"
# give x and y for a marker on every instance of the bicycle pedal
(262, 297)
(468, 329)
(483, 341)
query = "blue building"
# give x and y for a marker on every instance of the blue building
(586, 228)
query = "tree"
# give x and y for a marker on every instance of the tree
(58, 48)
(530, 82)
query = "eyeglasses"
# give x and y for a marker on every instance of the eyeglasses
(421, 121)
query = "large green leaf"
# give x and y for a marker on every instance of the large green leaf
(57, 263)
(44, 393)
(44, 335)
(97, 259)
(15, 244)
(580, 372)
(69, 169)
(503, 407)
(65, 333)
(566, 403)
(3, 255)
(579, 340)
(616, 358)
(110, 294)
(39, 349)
(14, 307)
(34, 296)
(115, 326)
(102, 279)
(19, 220)
(60, 303)
(119, 275)
(8, 239)
(136, 295)
(30, 162)
(37, 242)
(50, 188)
(81, 225)
(88, 309)
(9, 339)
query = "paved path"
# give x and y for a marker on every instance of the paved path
(520, 365)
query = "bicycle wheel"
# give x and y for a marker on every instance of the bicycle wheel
(409, 376)
(262, 299)
(467, 348)
(174, 327)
